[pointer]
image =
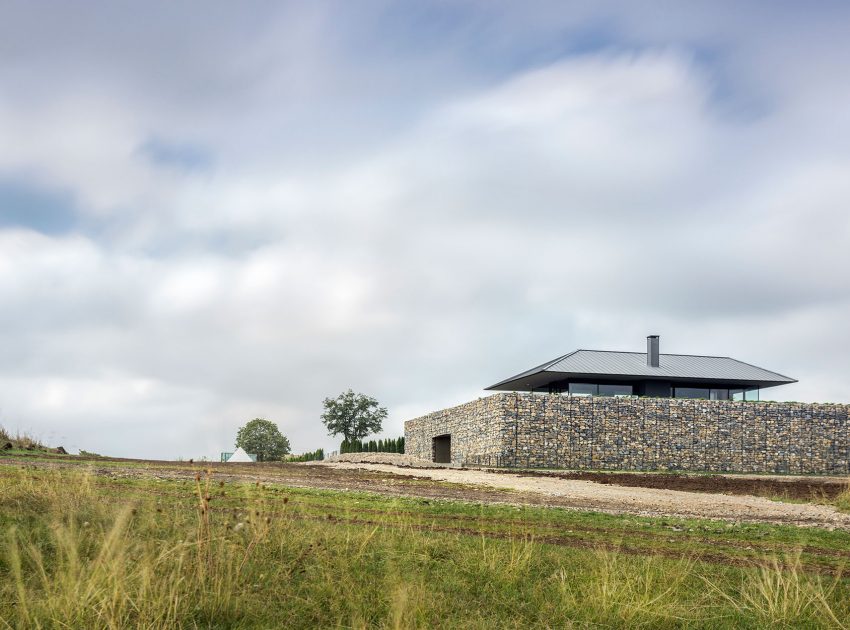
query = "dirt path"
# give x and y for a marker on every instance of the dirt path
(482, 486)
(632, 500)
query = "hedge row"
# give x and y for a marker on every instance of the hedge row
(395, 445)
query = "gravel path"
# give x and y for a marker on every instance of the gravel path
(619, 499)
(396, 459)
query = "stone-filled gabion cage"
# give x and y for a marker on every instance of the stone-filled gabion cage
(556, 431)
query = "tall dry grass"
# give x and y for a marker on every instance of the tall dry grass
(92, 564)
(19, 440)
(842, 501)
(85, 552)
(781, 593)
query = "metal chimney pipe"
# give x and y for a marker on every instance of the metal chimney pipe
(652, 344)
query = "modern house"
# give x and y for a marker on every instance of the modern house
(606, 373)
(638, 411)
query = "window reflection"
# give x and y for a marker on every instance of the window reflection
(583, 389)
(600, 389)
(691, 392)
(615, 390)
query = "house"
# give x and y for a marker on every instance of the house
(606, 373)
(638, 411)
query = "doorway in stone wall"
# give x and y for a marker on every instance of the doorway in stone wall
(442, 449)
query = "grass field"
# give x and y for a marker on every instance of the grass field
(83, 550)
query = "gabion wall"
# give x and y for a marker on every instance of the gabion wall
(556, 431)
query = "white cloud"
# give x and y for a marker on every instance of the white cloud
(489, 226)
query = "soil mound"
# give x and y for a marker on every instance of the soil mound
(394, 459)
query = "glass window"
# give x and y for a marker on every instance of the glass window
(751, 394)
(615, 390)
(691, 392)
(736, 394)
(583, 389)
(719, 394)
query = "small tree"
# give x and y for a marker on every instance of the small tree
(354, 416)
(262, 437)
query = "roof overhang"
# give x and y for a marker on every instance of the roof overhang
(543, 379)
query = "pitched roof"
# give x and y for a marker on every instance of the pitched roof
(633, 366)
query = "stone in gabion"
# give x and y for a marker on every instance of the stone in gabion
(554, 431)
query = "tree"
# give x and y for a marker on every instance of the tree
(263, 438)
(353, 415)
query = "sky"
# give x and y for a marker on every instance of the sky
(215, 211)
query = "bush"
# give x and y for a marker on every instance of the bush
(393, 445)
(313, 456)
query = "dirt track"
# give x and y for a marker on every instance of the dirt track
(551, 490)
(652, 501)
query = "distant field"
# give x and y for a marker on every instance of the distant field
(86, 546)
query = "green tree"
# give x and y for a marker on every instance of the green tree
(263, 438)
(354, 416)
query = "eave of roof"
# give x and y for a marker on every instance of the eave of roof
(630, 366)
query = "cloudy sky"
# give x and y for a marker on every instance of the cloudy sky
(211, 211)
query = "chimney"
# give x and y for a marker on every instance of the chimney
(652, 350)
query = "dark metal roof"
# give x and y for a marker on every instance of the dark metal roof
(632, 366)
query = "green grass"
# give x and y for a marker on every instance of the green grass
(85, 551)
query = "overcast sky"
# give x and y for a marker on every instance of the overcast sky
(212, 211)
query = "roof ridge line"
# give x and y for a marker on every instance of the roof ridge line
(667, 354)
